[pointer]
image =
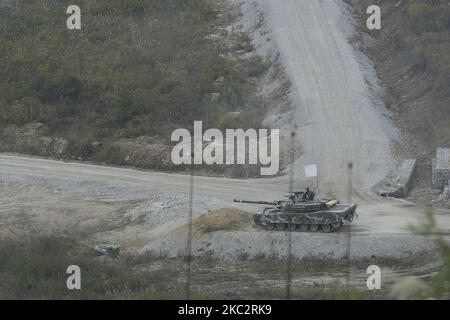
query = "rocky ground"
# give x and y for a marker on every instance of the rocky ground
(131, 209)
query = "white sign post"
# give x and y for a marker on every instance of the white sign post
(311, 172)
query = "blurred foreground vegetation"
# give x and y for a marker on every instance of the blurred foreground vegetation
(36, 269)
(441, 280)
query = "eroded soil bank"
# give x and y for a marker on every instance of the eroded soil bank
(411, 60)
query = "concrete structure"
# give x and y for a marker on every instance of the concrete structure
(441, 169)
(398, 181)
(444, 199)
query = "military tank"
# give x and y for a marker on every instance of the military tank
(304, 213)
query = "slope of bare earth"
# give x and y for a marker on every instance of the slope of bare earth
(338, 114)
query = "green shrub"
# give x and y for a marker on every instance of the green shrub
(426, 33)
(36, 269)
(134, 64)
(80, 149)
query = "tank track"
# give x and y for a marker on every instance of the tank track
(299, 227)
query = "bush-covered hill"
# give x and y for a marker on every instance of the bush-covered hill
(427, 34)
(412, 56)
(137, 67)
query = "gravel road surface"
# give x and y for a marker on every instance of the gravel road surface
(134, 207)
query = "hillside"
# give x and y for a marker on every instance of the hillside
(136, 68)
(411, 55)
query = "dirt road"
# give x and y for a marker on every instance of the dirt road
(338, 115)
(226, 189)
(377, 217)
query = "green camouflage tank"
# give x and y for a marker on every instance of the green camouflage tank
(302, 212)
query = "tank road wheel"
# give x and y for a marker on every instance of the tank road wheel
(280, 226)
(271, 226)
(336, 225)
(292, 226)
(303, 227)
(327, 228)
(257, 219)
(313, 227)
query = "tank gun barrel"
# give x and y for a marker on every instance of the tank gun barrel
(273, 203)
